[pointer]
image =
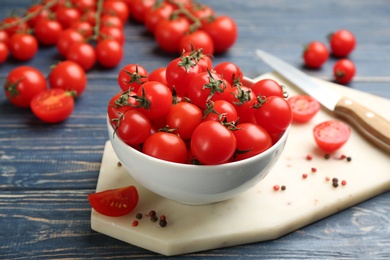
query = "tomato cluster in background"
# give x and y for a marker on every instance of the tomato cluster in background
(341, 44)
(90, 32)
(194, 111)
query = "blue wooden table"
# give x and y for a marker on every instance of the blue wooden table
(47, 171)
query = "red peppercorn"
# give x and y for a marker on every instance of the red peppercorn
(276, 187)
(343, 182)
(313, 169)
(163, 217)
(327, 178)
(152, 213)
(309, 157)
(304, 175)
(135, 223)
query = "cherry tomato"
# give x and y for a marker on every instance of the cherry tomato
(156, 14)
(221, 111)
(47, 31)
(180, 73)
(84, 4)
(4, 37)
(169, 32)
(3, 52)
(243, 100)
(83, 54)
(36, 12)
(212, 143)
(138, 9)
(22, 84)
(223, 31)
(315, 54)
(23, 46)
(331, 135)
(83, 27)
(116, 8)
(132, 127)
(115, 202)
(342, 43)
(52, 105)
(159, 75)
(229, 71)
(132, 76)
(109, 53)
(344, 70)
(69, 76)
(202, 11)
(111, 32)
(267, 88)
(109, 20)
(184, 117)
(119, 104)
(18, 25)
(67, 15)
(252, 140)
(166, 146)
(304, 108)
(154, 99)
(206, 86)
(275, 115)
(197, 40)
(66, 38)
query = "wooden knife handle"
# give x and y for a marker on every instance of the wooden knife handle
(370, 124)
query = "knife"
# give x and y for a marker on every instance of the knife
(371, 125)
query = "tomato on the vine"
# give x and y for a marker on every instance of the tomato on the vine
(116, 8)
(47, 31)
(156, 14)
(111, 32)
(23, 46)
(115, 202)
(138, 9)
(22, 84)
(36, 12)
(342, 43)
(315, 54)
(18, 25)
(212, 143)
(66, 15)
(197, 40)
(183, 118)
(304, 107)
(83, 27)
(252, 140)
(344, 70)
(53, 105)
(169, 32)
(66, 38)
(166, 146)
(69, 76)
(109, 53)
(223, 31)
(331, 135)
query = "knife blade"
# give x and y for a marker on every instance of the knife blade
(370, 124)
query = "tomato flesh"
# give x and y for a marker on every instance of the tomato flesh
(331, 135)
(304, 108)
(115, 202)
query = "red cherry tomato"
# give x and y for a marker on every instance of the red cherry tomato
(47, 31)
(3, 52)
(138, 9)
(119, 104)
(22, 84)
(109, 53)
(169, 32)
(267, 88)
(159, 75)
(223, 31)
(83, 27)
(67, 15)
(252, 140)
(112, 32)
(116, 202)
(36, 12)
(212, 143)
(23, 46)
(197, 40)
(342, 43)
(132, 76)
(166, 146)
(221, 111)
(69, 76)
(18, 25)
(52, 105)
(315, 54)
(110, 20)
(133, 127)
(229, 71)
(184, 117)
(156, 14)
(243, 100)
(66, 38)
(83, 54)
(344, 70)
(331, 135)
(304, 108)
(116, 8)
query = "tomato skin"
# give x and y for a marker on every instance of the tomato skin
(52, 105)
(344, 70)
(133, 127)
(331, 135)
(342, 43)
(252, 140)
(169, 32)
(315, 54)
(267, 88)
(165, 146)
(212, 143)
(184, 117)
(223, 31)
(275, 115)
(109, 53)
(197, 40)
(47, 31)
(304, 108)
(132, 76)
(115, 202)
(83, 54)
(22, 84)
(68, 75)
(23, 46)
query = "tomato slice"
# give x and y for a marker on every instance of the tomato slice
(53, 105)
(331, 135)
(303, 107)
(115, 202)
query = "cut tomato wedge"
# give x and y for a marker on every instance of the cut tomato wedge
(331, 135)
(304, 108)
(115, 202)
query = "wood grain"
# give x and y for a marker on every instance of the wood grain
(47, 171)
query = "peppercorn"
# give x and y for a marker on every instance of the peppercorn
(343, 182)
(152, 213)
(349, 159)
(283, 187)
(119, 164)
(309, 157)
(135, 223)
(138, 216)
(162, 223)
(313, 169)
(335, 184)
(153, 218)
(327, 156)
(276, 187)
(304, 175)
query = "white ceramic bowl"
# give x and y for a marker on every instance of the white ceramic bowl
(195, 184)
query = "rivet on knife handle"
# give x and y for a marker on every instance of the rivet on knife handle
(371, 125)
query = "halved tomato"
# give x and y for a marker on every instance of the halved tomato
(331, 135)
(115, 202)
(303, 107)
